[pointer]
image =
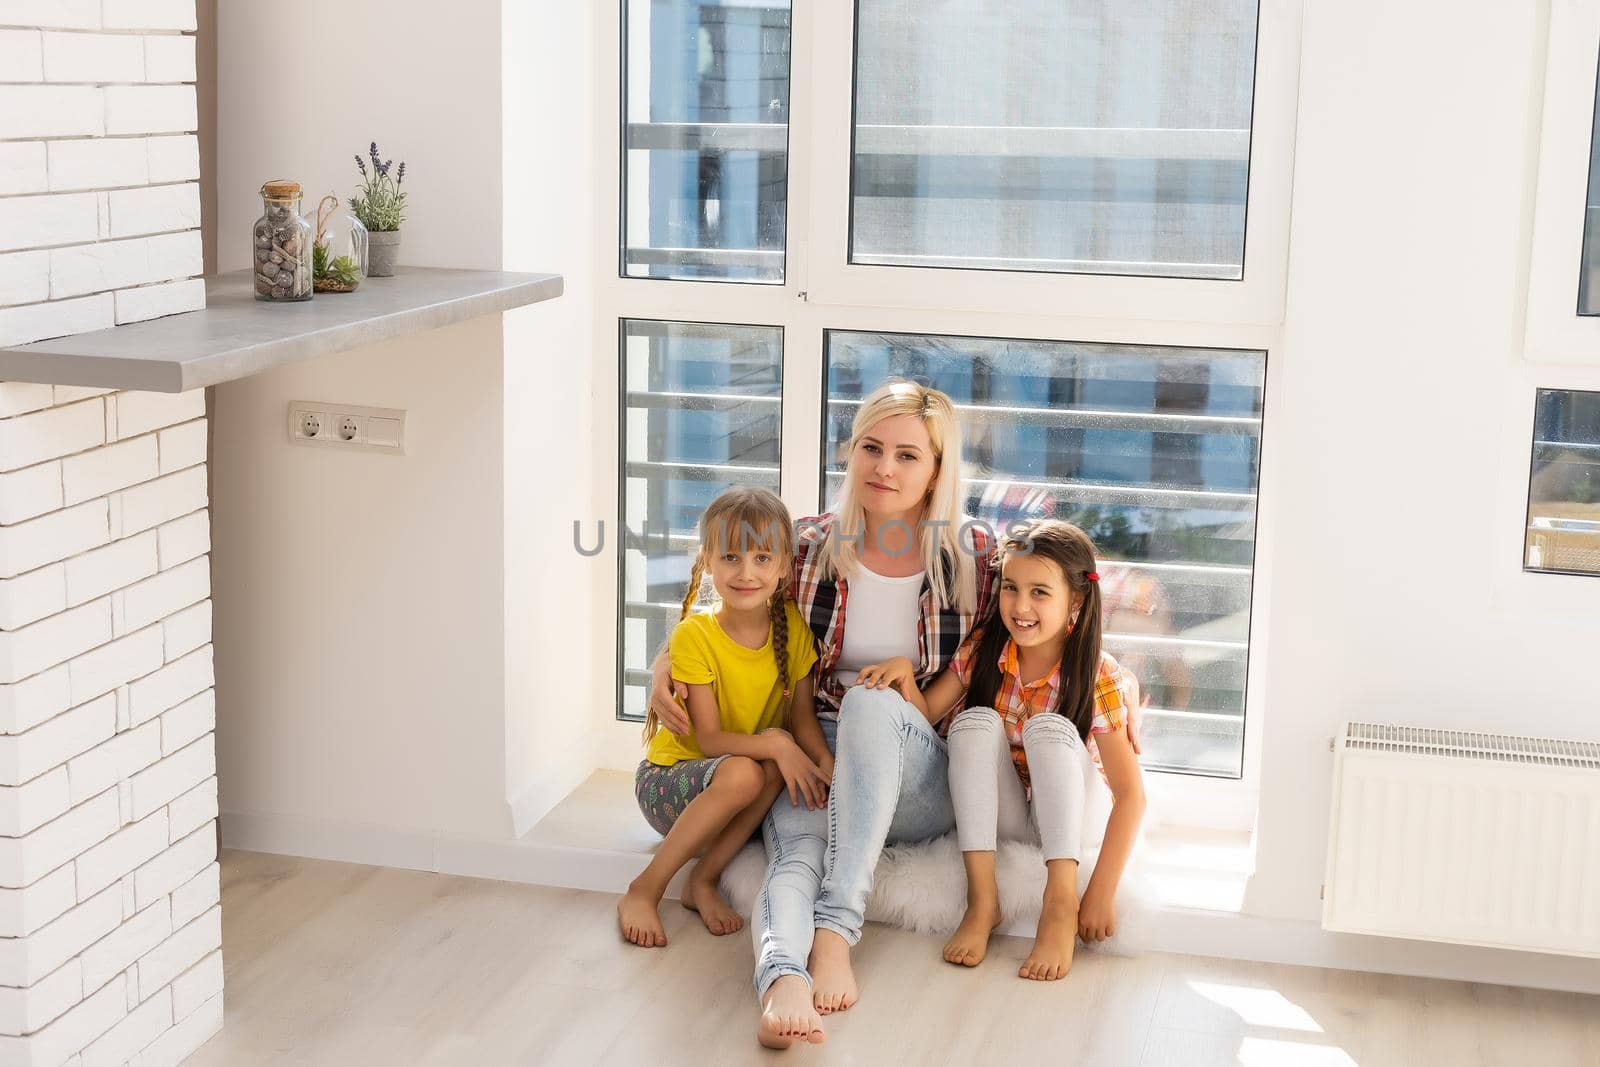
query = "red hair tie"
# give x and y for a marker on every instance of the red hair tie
(1092, 576)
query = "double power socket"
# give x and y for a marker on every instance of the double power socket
(347, 426)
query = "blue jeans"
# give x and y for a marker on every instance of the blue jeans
(782, 924)
(890, 786)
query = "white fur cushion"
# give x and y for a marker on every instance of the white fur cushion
(923, 887)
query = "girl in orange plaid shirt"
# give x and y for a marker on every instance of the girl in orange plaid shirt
(1042, 701)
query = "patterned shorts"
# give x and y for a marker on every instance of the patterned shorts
(663, 792)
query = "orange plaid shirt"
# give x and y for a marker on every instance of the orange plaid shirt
(1017, 701)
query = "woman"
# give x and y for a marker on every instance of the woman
(917, 575)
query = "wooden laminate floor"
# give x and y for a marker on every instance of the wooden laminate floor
(333, 963)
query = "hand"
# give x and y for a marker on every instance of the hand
(804, 779)
(1135, 709)
(1097, 916)
(896, 673)
(669, 700)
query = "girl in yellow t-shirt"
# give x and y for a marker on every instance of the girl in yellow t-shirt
(755, 732)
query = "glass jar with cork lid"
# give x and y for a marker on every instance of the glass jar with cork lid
(282, 245)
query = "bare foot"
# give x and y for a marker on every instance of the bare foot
(1051, 957)
(970, 943)
(715, 912)
(833, 983)
(787, 1014)
(638, 920)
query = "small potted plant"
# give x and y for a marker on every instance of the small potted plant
(339, 255)
(381, 208)
(333, 275)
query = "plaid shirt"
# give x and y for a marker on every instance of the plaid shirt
(1018, 701)
(940, 629)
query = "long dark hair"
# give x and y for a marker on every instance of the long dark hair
(1070, 549)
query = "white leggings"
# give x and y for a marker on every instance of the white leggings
(989, 800)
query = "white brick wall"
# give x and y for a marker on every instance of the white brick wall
(99, 201)
(23, 168)
(110, 918)
(63, 14)
(92, 57)
(121, 264)
(110, 924)
(155, 301)
(173, 159)
(21, 56)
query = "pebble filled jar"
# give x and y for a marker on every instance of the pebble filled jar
(282, 245)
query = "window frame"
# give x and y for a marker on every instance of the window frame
(1250, 678)
(1553, 331)
(1256, 298)
(1557, 596)
(816, 296)
(1533, 469)
(621, 251)
(621, 411)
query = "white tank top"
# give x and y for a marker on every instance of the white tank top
(880, 621)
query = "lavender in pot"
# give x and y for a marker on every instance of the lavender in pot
(381, 208)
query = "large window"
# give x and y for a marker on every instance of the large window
(1564, 486)
(1042, 136)
(700, 413)
(1154, 452)
(1562, 320)
(1589, 269)
(1038, 208)
(707, 140)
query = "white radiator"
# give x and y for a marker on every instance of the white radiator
(1479, 839)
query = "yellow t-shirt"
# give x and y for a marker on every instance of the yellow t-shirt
(744, 680)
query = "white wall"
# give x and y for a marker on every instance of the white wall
(358, 626)
(551, 472)
(424, 86)
(392, 652)
(1399, 369)
(360, 623)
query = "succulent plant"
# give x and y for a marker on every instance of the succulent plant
(342, 272)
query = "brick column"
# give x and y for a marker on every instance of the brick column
(110, 929)
(99, 203)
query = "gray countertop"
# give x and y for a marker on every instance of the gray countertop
(237, 335)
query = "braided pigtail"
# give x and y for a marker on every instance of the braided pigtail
(779, 614)
(691, 596)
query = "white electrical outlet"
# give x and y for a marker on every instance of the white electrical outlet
(347, 426)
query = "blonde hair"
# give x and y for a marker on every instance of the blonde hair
(746, 517)
(956, 587)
